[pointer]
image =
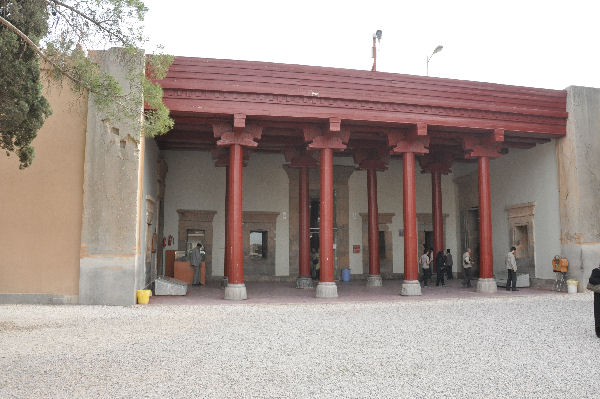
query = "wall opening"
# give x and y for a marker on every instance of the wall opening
(258, 244)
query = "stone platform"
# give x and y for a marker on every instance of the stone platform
(169, 286)
(522, 280)
(353, 291)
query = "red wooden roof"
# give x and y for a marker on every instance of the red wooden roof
(200, 88)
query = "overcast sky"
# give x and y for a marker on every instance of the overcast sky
(549, 44)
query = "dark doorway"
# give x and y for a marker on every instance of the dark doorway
(470, 236)
(315, 220)
(428, 243)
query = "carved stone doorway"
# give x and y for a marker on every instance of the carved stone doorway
(520, 223)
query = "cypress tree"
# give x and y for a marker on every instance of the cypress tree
(23, 108)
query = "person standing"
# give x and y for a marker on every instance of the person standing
(196, 259)
(594, 285)
(511, 266)
(425, 261)
(441, 268)
(449, 264)
(467, 263)
(315, 264)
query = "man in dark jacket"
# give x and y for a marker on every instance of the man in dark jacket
(594, 285)
(449, 264)
(440, 264)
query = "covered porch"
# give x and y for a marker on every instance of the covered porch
(320, 137)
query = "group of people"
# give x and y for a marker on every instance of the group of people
(443, 262)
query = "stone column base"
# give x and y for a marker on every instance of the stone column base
(235, 292)
(374, 280)
(411, 288)
(326, 290)
(304, 282)
(487, 285)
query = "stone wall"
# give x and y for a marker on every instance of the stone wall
(519, 177)
(146, 271)
(389, 198)
(579, 183)
(194, 183)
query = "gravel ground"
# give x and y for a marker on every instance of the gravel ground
(509, 347)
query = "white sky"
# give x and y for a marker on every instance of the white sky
(549, 44)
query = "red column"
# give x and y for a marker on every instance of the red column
(438, 221)
(485, 220)
(373, 222)
(410, 218)
(304, 227)
(234, 220)
(227, 229)
(326, 225)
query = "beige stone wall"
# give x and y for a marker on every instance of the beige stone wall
(40, 207)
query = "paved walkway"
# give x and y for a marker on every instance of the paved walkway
(353, 291)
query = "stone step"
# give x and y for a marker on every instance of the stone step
(169, 286)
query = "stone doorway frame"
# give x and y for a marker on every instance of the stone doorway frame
(521, 215)
(201, 220)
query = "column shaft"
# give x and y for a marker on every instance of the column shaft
(438, 221)
(234, 220)
(326, 225)
(373, 222)
(485, 220)
(227, 229)
(410, 217)
(304, 225)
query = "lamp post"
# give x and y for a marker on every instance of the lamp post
(376, 35)
(437, 50)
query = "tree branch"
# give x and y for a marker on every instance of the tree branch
(92, 20)
(35, 48)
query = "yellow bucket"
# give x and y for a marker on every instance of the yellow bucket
(143, 296)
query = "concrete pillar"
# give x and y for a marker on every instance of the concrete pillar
(438, 218)
(326, 287)
(374, 279)
(236, 289)
(411, 285)
(486, 282)
(579, 183)
(112, 219)
(304, 279)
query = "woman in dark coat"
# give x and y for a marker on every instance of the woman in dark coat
(594, 285)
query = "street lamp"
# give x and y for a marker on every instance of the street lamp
(376, 35)
(437, 50)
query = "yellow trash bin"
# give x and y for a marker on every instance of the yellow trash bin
(572, 286)
(143, 296)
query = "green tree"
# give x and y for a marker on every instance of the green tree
(60, 33)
